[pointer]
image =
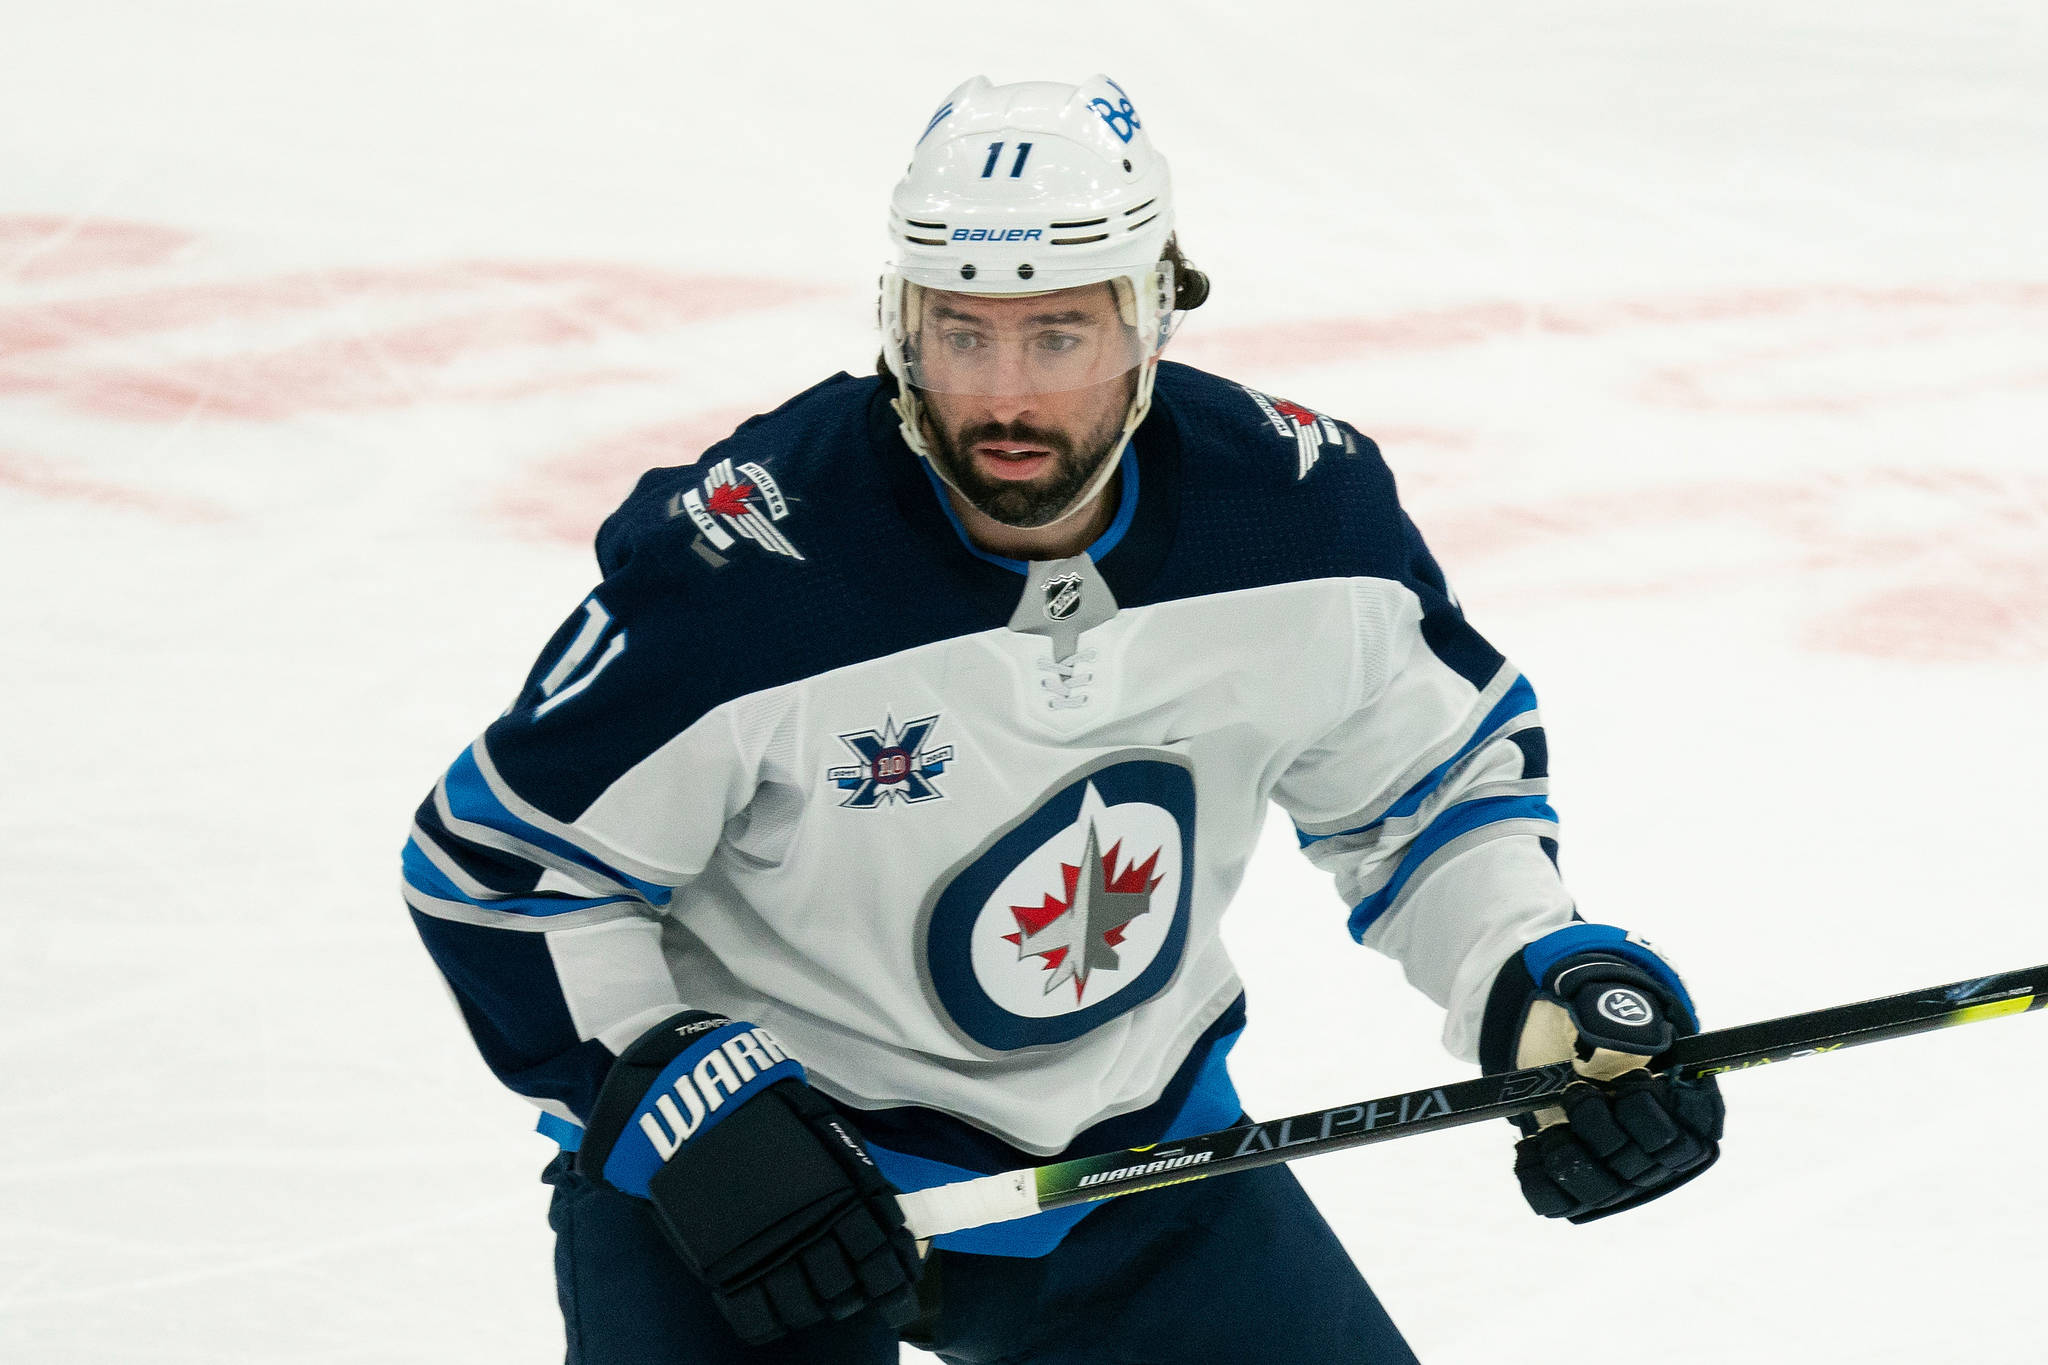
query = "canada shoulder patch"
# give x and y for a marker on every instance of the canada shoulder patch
(735, 503)
(1313, 434)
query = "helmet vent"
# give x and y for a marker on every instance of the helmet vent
(1127, 212)
(1079, 223)
(935, 227)
(1135, 226)
(925, 241)
(1080, 241)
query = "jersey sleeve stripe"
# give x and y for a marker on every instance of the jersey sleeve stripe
(1339, 851)
(1499, 722)
(468, 880)
(435, 890)
(463, 912)
(1496, 817)
(477, 808)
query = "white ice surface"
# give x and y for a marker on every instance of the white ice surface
(1707, 339)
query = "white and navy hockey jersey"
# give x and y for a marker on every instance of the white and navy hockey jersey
(959, 830)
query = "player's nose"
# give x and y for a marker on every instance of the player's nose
(998, 408)
(1016, 386)
(1008, 407)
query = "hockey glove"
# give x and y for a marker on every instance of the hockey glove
(1621, 1136)
(759, 1184)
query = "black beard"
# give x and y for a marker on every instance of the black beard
(1024, 506)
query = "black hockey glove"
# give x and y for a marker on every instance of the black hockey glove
(1623, 1135)
(760, 1185)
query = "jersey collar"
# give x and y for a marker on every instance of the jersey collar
(1129, 553)
(1127, 509)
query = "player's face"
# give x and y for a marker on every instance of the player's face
(1025, 397)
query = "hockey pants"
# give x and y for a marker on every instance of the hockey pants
(1235, 1270)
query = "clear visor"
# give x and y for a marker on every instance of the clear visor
(1011, 345)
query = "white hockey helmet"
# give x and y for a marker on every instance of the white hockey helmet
(1028, 189)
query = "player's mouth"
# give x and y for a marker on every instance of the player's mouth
(1011, 461)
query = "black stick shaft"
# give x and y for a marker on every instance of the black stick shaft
(1815, 1033)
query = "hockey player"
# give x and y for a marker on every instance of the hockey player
(870, 824)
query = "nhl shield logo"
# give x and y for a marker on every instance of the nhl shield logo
(1062, 596)
(1074, 914)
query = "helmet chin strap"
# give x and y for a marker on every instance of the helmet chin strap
(903, 319)
(909, 414)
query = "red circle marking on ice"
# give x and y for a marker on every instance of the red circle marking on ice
(564, 499)
(2002, 619)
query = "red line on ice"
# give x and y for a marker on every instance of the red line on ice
(35, 247)
(1326, 340)
(1964, 581)
(495, 307)
(37, 478)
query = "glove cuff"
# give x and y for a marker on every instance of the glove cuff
(1557, 966)
(677, 1080)
(1507, 1008)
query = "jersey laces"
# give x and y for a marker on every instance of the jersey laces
(1066, 679)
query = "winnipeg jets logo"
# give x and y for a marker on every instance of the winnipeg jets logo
(1077, 932)
(748, 500)
(1074, 913)
(1310, 431)
(893, 764)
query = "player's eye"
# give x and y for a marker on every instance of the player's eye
(1058, 343)
(962, 342)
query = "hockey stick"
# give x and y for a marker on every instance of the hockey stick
(1018, 1194)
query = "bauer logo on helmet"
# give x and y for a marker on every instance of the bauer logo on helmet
(997, 234)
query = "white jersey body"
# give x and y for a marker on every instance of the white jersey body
(960, 831)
